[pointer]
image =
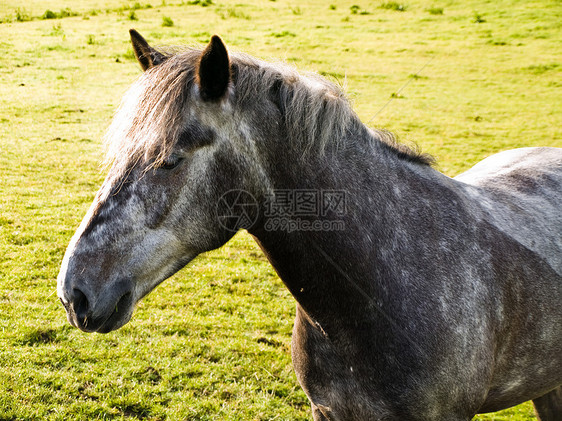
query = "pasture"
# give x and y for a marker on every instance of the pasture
(213, 342)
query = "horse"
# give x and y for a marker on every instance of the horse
(419, 296)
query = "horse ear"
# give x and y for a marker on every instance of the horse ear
(146, 55)
(213, 72)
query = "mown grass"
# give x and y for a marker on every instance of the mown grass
(213, 342)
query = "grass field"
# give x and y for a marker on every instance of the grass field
(213, 342)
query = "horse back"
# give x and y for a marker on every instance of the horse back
(519, 192)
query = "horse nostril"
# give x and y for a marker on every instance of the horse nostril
(81, 305)
(122, 304)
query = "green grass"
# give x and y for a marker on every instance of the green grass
(392, 5)
(213, 342)
(435, 10)
(167, 21)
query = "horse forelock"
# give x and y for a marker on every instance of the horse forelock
(317, 113)
(147, 123)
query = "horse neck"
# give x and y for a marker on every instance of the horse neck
(382, 191)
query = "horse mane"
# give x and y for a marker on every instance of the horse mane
(317, 113)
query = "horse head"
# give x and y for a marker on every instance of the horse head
(176, 148)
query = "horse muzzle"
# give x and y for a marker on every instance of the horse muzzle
(103, 312)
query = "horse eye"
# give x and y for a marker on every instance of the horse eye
(171, 162)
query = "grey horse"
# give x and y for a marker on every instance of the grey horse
(432, 298)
